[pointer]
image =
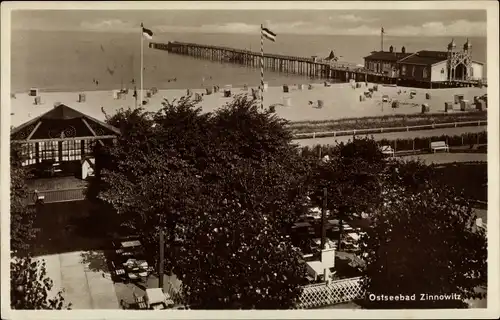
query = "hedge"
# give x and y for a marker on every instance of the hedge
(387, 121)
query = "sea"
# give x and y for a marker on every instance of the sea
(74, 61)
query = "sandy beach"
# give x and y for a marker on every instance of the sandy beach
(339, 101)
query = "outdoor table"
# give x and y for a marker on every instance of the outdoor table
(136, 268)
(347, 227)
(132, 275)
(136, 264)
(130, 244)
(354, 236)
(315, 269)
(155, 296)
(317, 241)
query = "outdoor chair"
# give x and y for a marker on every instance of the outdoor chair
(118, 272)
(140, 301)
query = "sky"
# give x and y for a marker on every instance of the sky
(471, 23)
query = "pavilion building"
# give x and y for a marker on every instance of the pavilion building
(59, 147)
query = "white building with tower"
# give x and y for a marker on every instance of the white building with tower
(452, 68)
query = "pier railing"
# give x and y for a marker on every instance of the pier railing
(340, 133)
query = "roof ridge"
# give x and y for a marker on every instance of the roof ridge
(410, 55)
(62, 105)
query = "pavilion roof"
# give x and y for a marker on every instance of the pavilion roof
(62, 121)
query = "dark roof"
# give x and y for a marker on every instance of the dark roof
(387, 56)
(433, 54)
(425, 57)
(62, 115)
(62, 112)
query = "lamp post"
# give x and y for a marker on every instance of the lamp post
(323, 222)
(162, 256)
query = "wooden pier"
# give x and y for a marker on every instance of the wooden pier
(311, 67)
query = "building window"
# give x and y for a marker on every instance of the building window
(71, 150)
(425, 73)
(442, 70)
(89, 147)
(28, 153)
(413, 71)
(403, 70)
(49, 150)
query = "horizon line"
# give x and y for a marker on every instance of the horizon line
(249, 33)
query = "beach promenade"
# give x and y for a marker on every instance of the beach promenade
(391, 135)
(338, 101)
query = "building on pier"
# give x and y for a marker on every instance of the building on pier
(433, 68)
(385, 62)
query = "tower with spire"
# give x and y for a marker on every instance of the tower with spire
(459, 61)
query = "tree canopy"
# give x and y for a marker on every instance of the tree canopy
(228, 180)
(21, 214)
(423, 241)
(352, 177)
(30, 286)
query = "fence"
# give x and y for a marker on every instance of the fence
(412, 145)
(340, 133)
(62, 195)
(322, 294)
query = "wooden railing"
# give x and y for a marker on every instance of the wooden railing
(61, 195)
(351, 132)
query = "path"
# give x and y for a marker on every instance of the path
(393, 135)
(83, 288)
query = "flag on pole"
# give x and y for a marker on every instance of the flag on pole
(382, 30)
(268, 34)
(264, 33)
(147, 33)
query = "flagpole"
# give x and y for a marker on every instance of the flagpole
(261, 68)
(142, 65)
(382, 39)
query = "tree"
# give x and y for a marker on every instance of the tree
(186, 172)
(422, 241)
(240, 126)
(22, 215)
(30, 287)
(353, 179)
(235, 253)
